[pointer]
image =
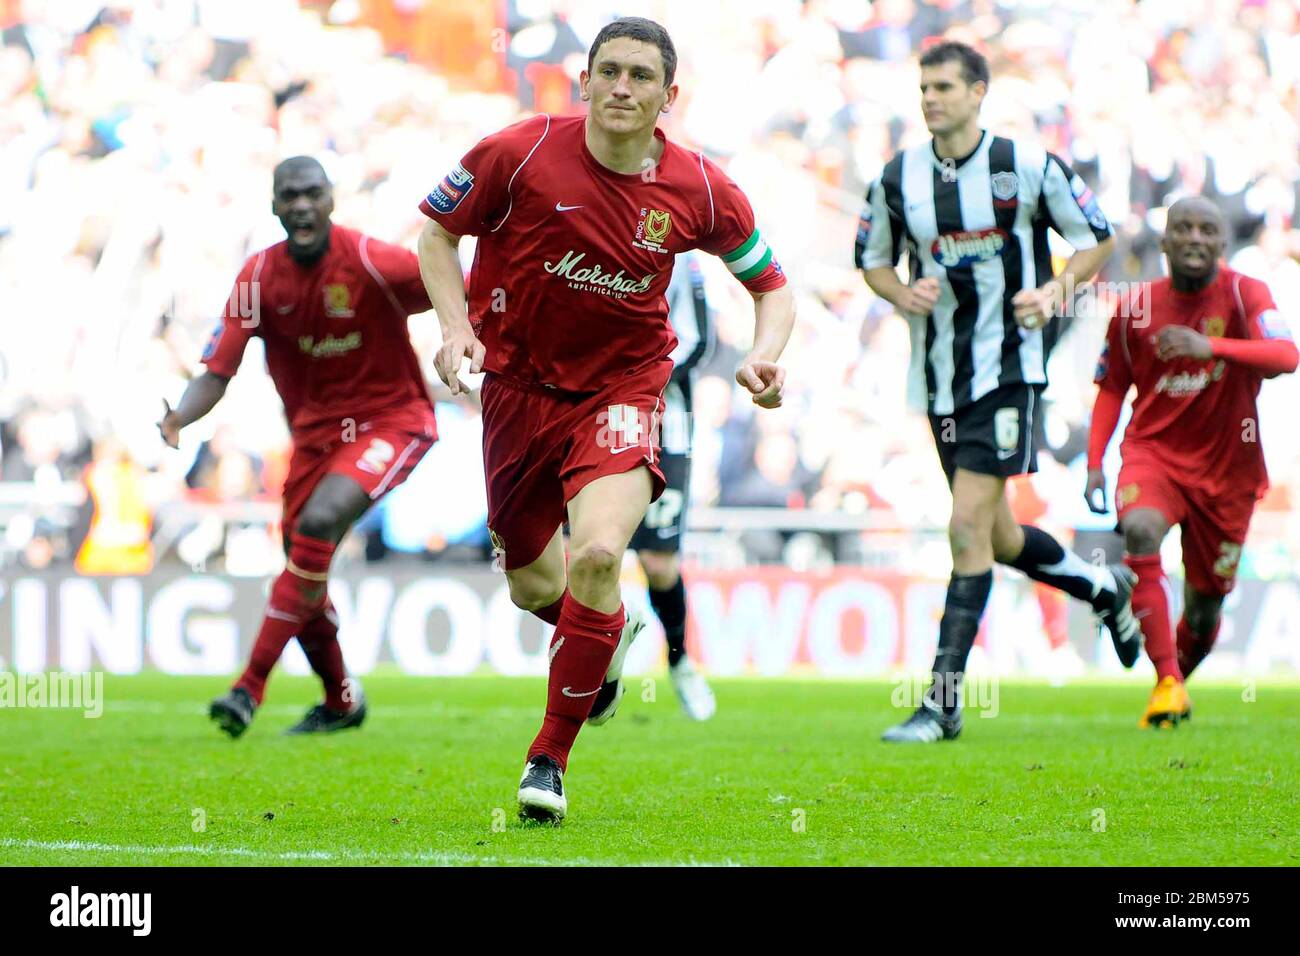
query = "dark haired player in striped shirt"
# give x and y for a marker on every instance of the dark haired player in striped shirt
(973, 210)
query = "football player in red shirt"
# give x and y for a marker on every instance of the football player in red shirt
(578, 221)
(330, 306)
(1196, 345)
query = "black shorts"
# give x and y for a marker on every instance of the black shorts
(665, 520)
(996, 435)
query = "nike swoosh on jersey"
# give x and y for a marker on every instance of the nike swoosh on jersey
(560, 207)
(285, 309)
(567, 692)
(619, 451)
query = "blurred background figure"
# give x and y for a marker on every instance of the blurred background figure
(117, 541)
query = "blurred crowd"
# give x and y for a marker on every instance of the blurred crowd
(137, 140)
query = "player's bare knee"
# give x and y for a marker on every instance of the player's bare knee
(1202, 613)
(320, 523)
(1142, 537)
(594, 563)
(966, 530)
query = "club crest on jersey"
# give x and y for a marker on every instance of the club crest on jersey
(652, 229)
(1005, 185)
(455, 186)
(338, 301)
(1213, 327)
(954, 249)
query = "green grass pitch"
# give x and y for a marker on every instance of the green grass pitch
(789, 772)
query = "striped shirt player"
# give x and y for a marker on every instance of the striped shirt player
(973, 210)
(978, 226)
(688, 312)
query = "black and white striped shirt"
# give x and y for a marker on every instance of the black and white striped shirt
(978, 225)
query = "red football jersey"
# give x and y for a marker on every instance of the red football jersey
(1197, 417)
(567, 286)
(335, 333)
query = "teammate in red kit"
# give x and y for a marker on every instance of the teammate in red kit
(579, 220)
(330, 306)
(1197, 346)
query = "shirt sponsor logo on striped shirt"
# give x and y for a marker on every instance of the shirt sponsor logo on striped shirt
(953, 249)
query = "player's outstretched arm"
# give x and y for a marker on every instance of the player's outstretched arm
(201, 396)
(440, 270)
(773, 322)
(1033, 308)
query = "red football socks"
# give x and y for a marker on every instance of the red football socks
(1151, 608)
(581, 649)
(551, 613)
(1192, 647)
(319, 638)
(297, 596)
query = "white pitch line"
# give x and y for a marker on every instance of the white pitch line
(432, 857)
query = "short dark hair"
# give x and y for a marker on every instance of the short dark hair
(299, 164)
(638, 28)
(974, 66)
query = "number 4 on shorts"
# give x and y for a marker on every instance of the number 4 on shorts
(623, 428)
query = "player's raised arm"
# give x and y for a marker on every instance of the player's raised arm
(445, 283)
(1072, 210)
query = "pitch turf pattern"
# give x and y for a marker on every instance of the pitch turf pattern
(787, 773)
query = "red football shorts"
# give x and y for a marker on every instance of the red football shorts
(541, 447)
(378, 455)
(1214, 526)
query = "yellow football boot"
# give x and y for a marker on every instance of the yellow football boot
(1168, 706)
